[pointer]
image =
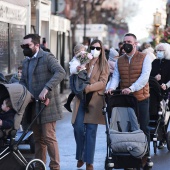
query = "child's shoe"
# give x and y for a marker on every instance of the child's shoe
(67, 106)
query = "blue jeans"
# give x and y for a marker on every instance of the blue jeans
(144, 117)
(85, 137)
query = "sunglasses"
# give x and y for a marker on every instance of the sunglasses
(159, 50)
(25, 46)
(97, 48)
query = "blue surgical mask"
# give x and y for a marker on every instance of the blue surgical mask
(160, 54)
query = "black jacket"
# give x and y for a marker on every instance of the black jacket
(78, 83)
(7, 119)
(161, 67)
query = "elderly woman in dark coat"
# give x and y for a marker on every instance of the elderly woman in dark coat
(161, 65)
(160, 70)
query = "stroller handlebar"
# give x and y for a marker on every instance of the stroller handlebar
(45, 102)
(117, 92)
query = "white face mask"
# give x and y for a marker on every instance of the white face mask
(95, 53)
(86, 46)
(160, 54)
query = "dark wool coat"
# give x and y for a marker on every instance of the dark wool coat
(161, 67)
(46, 73)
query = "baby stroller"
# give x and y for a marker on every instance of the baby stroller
(10, 156)
(159, 115)
(127, 145)
(28, 139)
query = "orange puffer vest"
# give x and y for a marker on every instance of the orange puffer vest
(129, 73)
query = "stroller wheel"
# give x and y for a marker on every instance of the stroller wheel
(155, 146)
(36, 164)
(107, 167)
(168, 140)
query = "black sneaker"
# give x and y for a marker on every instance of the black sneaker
(67, 107)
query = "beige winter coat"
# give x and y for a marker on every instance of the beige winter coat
(97, 85)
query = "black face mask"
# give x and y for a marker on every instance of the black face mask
(128, 48)
(28, 52)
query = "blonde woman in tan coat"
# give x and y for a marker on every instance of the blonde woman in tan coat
(85, 124)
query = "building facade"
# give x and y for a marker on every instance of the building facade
(13, 24)
(18, 18)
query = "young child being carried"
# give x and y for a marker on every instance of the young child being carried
(7, 115)
(79, 78)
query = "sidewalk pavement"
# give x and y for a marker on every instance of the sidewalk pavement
(65, 95)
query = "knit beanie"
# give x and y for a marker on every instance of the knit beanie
(78, 48)
(112, 54)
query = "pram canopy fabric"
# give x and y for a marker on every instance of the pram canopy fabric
(125, 133)
(20, 97)
(121, 100)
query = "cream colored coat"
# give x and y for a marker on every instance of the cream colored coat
(97, 85)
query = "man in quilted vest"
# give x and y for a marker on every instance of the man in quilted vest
(132, 70)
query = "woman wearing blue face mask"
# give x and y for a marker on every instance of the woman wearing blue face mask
(85, 124)
(160, 70)
(161, 65)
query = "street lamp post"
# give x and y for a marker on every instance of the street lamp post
(157, 23)
(85, 20)
(168, 13)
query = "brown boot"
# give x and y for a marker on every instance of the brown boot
(89, 166)
(80, 163)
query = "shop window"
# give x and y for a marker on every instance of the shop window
(4, 48)
(17, 32)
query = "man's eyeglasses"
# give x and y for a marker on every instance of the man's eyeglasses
(25, 46)
(97, 48)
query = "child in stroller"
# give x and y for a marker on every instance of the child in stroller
(7, 115)
(159, 115)
(6, 118)
(127, 145)
(28, 139)
(20, 98)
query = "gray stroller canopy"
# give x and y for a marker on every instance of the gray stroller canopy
(20, 97)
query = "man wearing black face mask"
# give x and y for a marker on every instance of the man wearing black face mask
(41, 73)
(132, 70)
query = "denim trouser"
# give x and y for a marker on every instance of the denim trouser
(144, 117)
(85, 137)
